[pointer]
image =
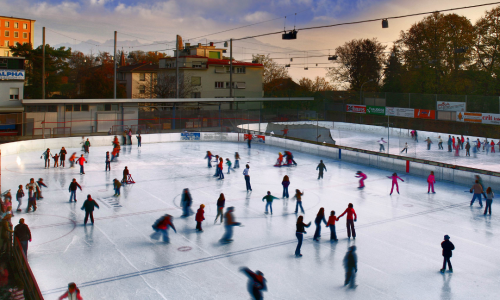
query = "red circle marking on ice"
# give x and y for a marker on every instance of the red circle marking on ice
(408, 205)
(184, 248)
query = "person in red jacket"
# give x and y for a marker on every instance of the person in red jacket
(161, 226)
(331, 224)
(81, 160)
(351, 218)
(200, 217)
(221, 165)
(73, 292)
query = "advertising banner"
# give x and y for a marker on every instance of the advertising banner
(375, 110)
(400, 112)
(469, 117)
(424, 114)
(12, 74)
(451, 106)
(190, 136)
(491, 119)
(359, 109)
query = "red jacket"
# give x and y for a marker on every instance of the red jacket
(350, 212)
(81, 160)
(331, 220)
(164, 223)
(221, 163)
(199, 215)
(77, 291)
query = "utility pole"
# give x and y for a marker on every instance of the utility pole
(114, 68)
(43, 63)
(177, 67)
(231, 68)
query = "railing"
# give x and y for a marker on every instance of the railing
(31, 289)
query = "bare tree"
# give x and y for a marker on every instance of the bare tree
(273, 72)
(164, 86)
(319, 84)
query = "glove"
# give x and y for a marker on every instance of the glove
(355, 220)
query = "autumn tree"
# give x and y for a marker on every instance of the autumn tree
(135, 57)
(393, 72)
(319, 84)
(273, 72)
(99, 83)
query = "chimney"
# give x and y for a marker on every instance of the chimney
(211, 43)
(199, 45)
(188, 45)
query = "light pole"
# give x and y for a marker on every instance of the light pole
(361, 91)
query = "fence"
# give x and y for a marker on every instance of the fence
(31, 289)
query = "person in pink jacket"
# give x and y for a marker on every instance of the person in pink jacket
(395, 178)
(73, 293)
(431, 180)
(362, 177)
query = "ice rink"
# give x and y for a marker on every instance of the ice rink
(398, 236)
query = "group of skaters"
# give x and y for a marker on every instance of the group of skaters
(219, 164)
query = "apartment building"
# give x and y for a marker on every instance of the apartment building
(15, 30)
(138, 79)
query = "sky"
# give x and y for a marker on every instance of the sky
(151, 25)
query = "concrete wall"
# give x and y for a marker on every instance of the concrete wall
(5, 86)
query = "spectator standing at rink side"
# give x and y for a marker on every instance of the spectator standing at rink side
(89, 205)
(430, 182)
(220, 207)
(489, 199)
(447, 248)
(23, 233)
(440, 143)
(300, 234)
(381, 142)
(478, 190)
(256, 283)
(395, 178)
(73, 293)
(351, 267)
(429, 142)
(228, 224)
(350, 219)
(247, 177)
(321, 167)
(331, 224)
(449, 143)
(319, 217)
(72, 189)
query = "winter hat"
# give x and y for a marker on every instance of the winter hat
(202, 206)
(446, 237)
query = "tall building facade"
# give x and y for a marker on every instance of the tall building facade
(15, 30)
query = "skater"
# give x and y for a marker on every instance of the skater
(298, 196)
(256, 283)
(125, 175)
(440, 143)
(249, 140)
(186, 202)
(72, 160)
(429, 142)
(269, 198)
(19, 197)
(350, 219)
(319, 217)
(81, 160)
(56, 161)
(453, 142)
(478, 190)
(87, 146)
(216, 161)
(116, 185)
(124, 137)
(489, 199)
(395, 178)
(83, 143)
(247, 177)
(236, 160)
(62, 156)
(73, 293)
(457, 148)
(279, 162)
(416, 136)
(462, 140)
(32, 187)
(228, 224)
(39, 188)
(431, 180)
(89, 205)
(115, 152)
(220, 207)
(285, 183)
(228, 163)
(108, 162)
(351, 267)
(130, 135)
(46, 156)
(23, 233)
(382, 142)
(492, 146)
(467, 149)
(321, 167)
(480, 180)
(447, 248)
(208, 157)
(362, 177)
(200, 217)
(139, 140)
(72, 189)
(449, 143)
(289, 158)
(331, 224)
(221, 167)
(161, 228)
(405, 148)
(459, 143)
(299, 233)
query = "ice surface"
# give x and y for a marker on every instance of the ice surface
(398, 239)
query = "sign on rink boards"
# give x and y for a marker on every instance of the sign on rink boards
(400, 112)
(469, 117)
(359, 109)
(451, 106)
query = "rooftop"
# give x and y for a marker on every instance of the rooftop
(215, 61)
(140, 67)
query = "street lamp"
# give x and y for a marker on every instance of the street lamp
(361, 91)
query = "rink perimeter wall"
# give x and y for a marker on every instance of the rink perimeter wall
(392, 163)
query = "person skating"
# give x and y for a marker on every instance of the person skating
(405, 148)
(285, 183)
(381, 143)
(130, 135)
(81, 161)
(72, 189)
(362, 176)
(108, 163)
(429, 142)
(125, 175)
(221, 168)
(87, 146)
(289, 158)
(351, 267)
(256, 283)
(489, 200)
(200, 216)
(82, 142)
(246, 174)
(62, 156)
(32, 187)
(23, 233)
(492, 146)
(139, 140)
(462, 140)
(298, 197)
(73, 293)
(331, 224)
(440, 143)
(395, 178)
(208, 157)
(279, 162)
(236, 160)
(321, 167)
(228, 163)
(114, 154)
(453, 141)
(40, 183)
(467, 149)
(269, 198)
(448, 247)
(72, 160)
(220, 208)
(19, 197)
(56, 161)
(116, 186)
(186, 202)
(350, 219)
(416, 136)
(216, 161)
(478, 191)
(449, 143)
(124, 138)
(249, 140)
(431, 180)
(161, 227)
(299, 233)
(480, 180)
(319, 217)
(46, 156)
(88, 206)
(229, 222)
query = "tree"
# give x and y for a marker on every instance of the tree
(56, 65)
(319, 84)
(358, 62)
(98, 84)
(135, 57)
(273, 72)
(164, 86)
(393, 72)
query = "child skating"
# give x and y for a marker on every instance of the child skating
(321, 167)
(395, 178)
(381, 143)
(269, 198)
(208, 157)
(236, 160)
(350, 219)
(72, 160)
(448, 247)
(19, 197)
(229, 164)
(331, 224)
(430, 181)
(405, 148)
(39, 189)
(56, 161)
(161, 227)
(200, 216)
(298, 196)
(116, 186)
(362, 176)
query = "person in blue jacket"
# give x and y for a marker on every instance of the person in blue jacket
(319, 217)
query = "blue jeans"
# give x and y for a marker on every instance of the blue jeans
(270, 205)
(216, 171)
(247, 180)
(249, 143)
(300, 237)
(138, 143)
(117, 191)
(229, 233)
(221, 174)
(285, 192)
(228, 170)
(209, 160)
(317, 233)
(81, 169)
(476, 196)
(24, 245)
(488, 206)
(72, 195)
(333, 233)
(108, 166)
(299, 203)
(236, 164)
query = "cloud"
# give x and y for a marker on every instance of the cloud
(258, 16)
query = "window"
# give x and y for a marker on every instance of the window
(195, 81)
(219, 85)
(240, 85)
(25, 35)
(7, 33)
(14, 93)
(6, 43)
(6, 53)
(196, 95)
(104, 107)
(76, 107)
(69, 107)
(114, 107)
(52, 108)
(142, 89)
(16, 25)
(239, 70)
(85, 107)
(7, 24)
(197, 64)
(25, 26)
(16, 34)
(142, 76)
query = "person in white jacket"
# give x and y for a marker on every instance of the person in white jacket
(382, 142)
(32, 187)
(73, 293)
